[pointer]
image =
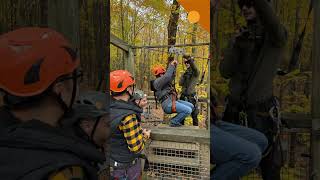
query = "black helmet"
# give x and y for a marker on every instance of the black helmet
(138, 94)
(90, 104)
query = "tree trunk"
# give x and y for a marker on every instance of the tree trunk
(233, 11)
(194, 39)
(173, 26)
(315, 103)
(214, 36)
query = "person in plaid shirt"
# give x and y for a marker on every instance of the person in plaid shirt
(128, 138)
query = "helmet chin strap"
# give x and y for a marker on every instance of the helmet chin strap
(91, 137)
(130, 95)
(67, 110)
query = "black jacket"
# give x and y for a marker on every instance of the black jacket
(33, 150)
(189, 79)
(252, 58)
(119, 148)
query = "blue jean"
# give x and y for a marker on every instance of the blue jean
(235, 150)
(183, 109)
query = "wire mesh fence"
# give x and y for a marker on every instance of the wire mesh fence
(296, 156)
(174, 160)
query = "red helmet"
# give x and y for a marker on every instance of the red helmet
(32, 59)
(158, 69)
(120, 80)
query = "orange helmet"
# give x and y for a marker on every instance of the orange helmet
(32, 59)
(156, 70)
(120, 80)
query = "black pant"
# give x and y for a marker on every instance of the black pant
(195, 112)
(271, 164)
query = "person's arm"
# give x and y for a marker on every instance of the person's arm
(229, 64)
(194, 68)
(165, 79)
(133, 133)
(182, 80)
(271, 22)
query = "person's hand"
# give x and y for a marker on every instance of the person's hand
(174, 62)
(146, 133)
(143, 102)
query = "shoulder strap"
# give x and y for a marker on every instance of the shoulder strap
(297, 47)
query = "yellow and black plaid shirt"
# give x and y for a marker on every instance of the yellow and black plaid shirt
(132, 131)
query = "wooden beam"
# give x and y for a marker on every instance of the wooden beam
(114, 40)
(315, 102)
(297, 120)
(167, 46)
(130, 59)
(181, 134)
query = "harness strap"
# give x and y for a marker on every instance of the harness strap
(174, 107)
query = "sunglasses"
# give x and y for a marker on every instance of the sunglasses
(247, 3)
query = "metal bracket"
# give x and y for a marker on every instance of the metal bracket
(176, 51)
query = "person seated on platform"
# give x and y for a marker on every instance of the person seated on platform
(165, 92)
(235, 150)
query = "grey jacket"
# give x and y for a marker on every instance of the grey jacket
(164, 86)
(189, 79)
(251, 64)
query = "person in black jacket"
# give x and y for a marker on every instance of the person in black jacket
(39, 76)
(189, 81)
(250, 62)
(127, 136)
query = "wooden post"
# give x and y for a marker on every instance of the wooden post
(63, 16)
(315, 107)
(215, 31)
(129, 63)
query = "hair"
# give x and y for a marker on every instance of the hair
(16, 102)
(116, 94)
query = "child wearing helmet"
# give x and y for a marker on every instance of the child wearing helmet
(39, 78)
(90, 119)
(140, 98)
(165, 92)
(128, 138)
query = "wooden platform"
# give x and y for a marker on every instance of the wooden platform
(189, 134)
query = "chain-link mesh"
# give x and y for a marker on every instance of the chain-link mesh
(296, 156)
(174, 160)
